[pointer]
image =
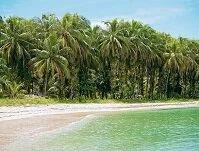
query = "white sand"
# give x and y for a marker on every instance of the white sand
(10, 113)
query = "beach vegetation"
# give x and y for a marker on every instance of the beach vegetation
(70, 59)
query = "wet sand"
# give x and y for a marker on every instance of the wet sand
(12, 129)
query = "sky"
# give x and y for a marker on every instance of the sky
(176, 17)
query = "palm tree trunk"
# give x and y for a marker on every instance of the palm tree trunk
(168, 85)
(45, 83)
(151, 83)
(161, 83)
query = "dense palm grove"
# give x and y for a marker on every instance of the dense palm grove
(68, 58)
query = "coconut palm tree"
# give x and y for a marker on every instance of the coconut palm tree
(114, 48)
(45, 25)
(15, 42)
(174, 65)
(50, 60)
(73, 35)
(114, 43)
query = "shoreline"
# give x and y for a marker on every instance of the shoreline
(26, 121)
(28, 111)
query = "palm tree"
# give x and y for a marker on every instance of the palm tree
(175, 63)
(114, 43)
(190, 51)
(127, 59)
(73, 35)
(8, 85)
(14, 90)
(15, 42)
(143, 57)
(50, 60)
(4, 70)
(45, 25)
(115, 49)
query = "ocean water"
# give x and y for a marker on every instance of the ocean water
(159, 130)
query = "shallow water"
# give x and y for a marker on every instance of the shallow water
(176, 129)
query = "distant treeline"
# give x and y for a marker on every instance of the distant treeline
(69, 58)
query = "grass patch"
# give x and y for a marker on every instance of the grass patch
(26, 101)
(44, 101)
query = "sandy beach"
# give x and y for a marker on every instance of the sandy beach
(30, 120)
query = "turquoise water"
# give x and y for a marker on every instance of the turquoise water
(162, 130)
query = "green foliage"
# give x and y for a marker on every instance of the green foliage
(69, 59)
(43, 101)
(14, 90)
(26, 101)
